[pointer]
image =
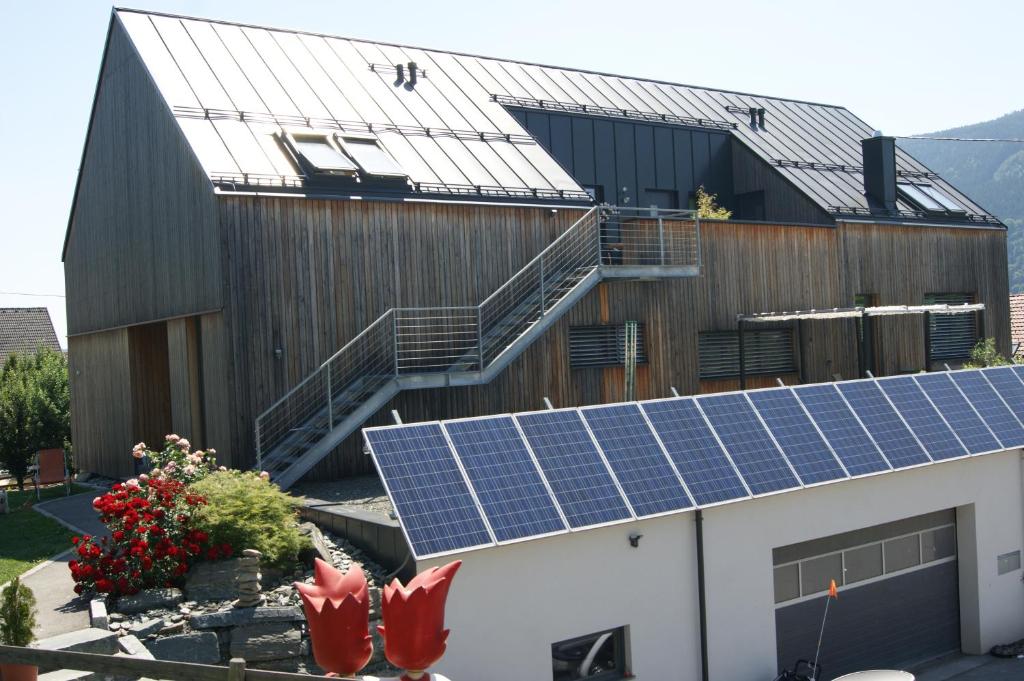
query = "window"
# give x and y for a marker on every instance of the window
(767, 351)
(372, 159)
(928, 198)
(787, 582)
(952, 336)
(902, 553)
(937, 544)
(597, 657)
(318, 153)
(603, 346)
(596, 192)
(662, 198)
(816, 574)
(862, 563)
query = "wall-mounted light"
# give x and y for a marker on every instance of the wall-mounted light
(634, 539)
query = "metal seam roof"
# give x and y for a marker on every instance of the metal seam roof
(297, 75)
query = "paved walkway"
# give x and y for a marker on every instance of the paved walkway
(972, 668)
(60, 611)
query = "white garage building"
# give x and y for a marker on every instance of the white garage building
(696, 537)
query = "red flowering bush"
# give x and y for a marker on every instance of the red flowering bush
(152, 542)
(177, 461)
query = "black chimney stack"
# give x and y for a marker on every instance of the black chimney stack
(760, 118)
(880, 172)
(753, 116)
(412, 74)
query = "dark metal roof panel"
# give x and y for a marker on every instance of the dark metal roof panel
(294, 78)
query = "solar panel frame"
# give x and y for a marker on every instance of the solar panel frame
(401, 516)
(924, 411)
(626, 484)
(856, 464)
(783, 438)
(697, 480)
(889, 429)
(556, 485)
(482, 495)
(757, 459)
(963, 430)
(998, 416)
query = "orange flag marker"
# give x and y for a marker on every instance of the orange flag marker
(833, 592)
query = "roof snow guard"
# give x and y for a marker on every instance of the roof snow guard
(846, 312)
(474, 483)
(234, 87)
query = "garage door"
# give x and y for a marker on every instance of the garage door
(898, 602)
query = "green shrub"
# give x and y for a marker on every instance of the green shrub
(985, 354)
(17, 614)
(248, 512)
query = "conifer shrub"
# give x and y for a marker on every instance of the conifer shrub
(17, 614)
(246, 511)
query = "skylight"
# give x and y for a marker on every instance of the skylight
(321, 154)
(928, 198)
(372, 159)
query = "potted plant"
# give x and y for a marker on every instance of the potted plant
(17, 620)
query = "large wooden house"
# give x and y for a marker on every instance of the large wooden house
(278, 237)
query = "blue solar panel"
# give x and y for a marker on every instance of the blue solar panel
(990, 406)
(889, 431)
(752, 450)
(796, 434)
(646, 476)
(696, 453)
(848, 438)
(506, 481)
(581, 482)
(430, 495)
(1006, 383)
(958, 413)
(933, 432)
(1019, 370)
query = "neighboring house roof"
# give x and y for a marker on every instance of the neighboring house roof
(25, 330)
(233, 86)
(1017, 318)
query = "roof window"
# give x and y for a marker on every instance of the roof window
(319, 153)
(371, 157)
(928, 198)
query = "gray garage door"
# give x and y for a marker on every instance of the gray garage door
(898, 600)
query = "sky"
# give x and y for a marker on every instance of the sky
(903, 66)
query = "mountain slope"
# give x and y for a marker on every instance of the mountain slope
(992, 173)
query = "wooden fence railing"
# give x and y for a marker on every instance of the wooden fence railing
(150, 669)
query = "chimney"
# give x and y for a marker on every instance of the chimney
(880, 171)
(753, 116)
(412, 74)
(760, 118)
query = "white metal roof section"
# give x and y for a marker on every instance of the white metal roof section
(849, 312)
(233, 87)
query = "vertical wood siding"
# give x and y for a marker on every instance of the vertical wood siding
(143, 241)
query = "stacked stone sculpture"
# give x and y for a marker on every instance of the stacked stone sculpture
(248, 579)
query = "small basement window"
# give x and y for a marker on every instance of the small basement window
(370, 156)
(318, 153)
(603, 346)
(928, 198)
(767, 351)
(598, 657)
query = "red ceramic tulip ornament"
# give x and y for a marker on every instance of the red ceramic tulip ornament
(337, 609)
(413, 629)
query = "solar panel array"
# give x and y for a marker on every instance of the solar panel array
(471, 483)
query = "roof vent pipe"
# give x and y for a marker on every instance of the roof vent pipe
(753, 116)
(400, 74)
(760, 118)
(880, 172)
(412, 74)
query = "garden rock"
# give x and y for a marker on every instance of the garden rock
(150, 599)
(201, 648)
(211, 581)
(268, 641)
(318, 548)
(243, 616)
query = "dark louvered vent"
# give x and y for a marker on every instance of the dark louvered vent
(768, 351)
(953, 336)
(603, 346)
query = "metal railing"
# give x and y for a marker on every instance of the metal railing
(419, 341)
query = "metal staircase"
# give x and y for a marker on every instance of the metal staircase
(408, 348)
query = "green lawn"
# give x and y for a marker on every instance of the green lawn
(28, 538)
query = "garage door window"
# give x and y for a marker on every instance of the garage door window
(811, 576)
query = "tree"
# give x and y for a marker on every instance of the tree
(708, 209)
(34, 409)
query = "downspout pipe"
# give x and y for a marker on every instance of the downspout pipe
(701, 600)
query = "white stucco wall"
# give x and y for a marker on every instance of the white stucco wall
(509, 604)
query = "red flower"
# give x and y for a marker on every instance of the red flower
(337, 609)
(413, 629)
